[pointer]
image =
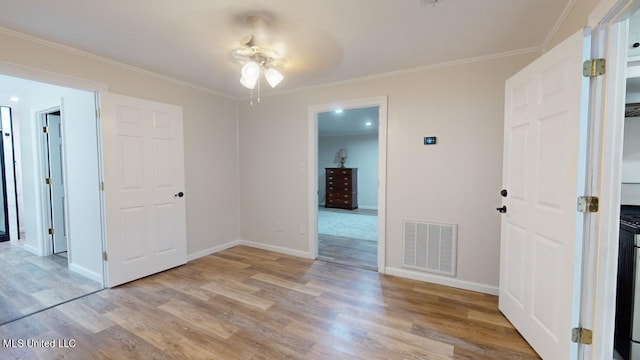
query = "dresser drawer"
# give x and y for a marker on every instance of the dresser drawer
(340, 196)
(339, 171)
(339, 188)
(340, 202)
(339, 183)
(339, 178)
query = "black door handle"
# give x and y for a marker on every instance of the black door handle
(503, 192)
(502, 209)
(180, 194)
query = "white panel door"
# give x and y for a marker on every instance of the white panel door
(57, 183)
(544, 173)
(143, 153)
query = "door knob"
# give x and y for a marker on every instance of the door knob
(502, 209)
(180, 194)
(503, 192)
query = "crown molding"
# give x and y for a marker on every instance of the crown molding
(409, 71)
(112, 62)
(556, 27)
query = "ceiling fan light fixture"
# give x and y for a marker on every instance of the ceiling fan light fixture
(257, 60)
(248, 83)
(273, 76)
(250, 74)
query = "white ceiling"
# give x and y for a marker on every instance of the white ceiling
(325, 40)
(348, 122)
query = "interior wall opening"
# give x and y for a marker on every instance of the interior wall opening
(347, 162)
(54, 249)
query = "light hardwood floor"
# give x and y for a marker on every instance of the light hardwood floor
(352, 252)
(29, 283)
(347, 251)
(245, 303)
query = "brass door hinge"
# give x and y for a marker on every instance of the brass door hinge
(45, 129)
(48, 181)
(594, 67)
(582, 336)
(588, 204)
(104, 255)
(51, 231)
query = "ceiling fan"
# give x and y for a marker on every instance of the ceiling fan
(257, 58)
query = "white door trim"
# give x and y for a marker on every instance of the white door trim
(43, 163)
(35, 74)
(381, 102)
(611, 17)
(53, 78)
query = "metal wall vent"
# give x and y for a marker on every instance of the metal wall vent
(430, 247)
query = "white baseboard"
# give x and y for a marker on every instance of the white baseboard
(405, 273)
(32, 249)
(364, 207)
(278, 249)
(359, 207)
(442, 280)
(85, 272)
(212, 250)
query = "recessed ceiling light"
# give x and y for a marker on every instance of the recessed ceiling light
(338, 111)
(368, 123)
(14, 99)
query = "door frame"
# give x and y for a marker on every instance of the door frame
(43, 165)
(312, 171)
(609, 20)
(53, 78)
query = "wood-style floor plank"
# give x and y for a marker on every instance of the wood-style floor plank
(245, 303)
(30, 283)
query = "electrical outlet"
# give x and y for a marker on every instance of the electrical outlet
(301, 229)
(279, 227)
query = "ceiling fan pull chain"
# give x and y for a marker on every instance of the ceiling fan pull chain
(258, 90)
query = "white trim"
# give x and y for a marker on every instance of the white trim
(109, 61)
(35, 74)
(445, 64)
(212, 250)
(606, 10)
(40, 75)
(86, 272)
(404, 273)
(32, 249)
(609, 106)
(298, 89)
(364, 207)
(561, 19)
(443, 280)
(277, 249)
(44, 238)
(312, 178)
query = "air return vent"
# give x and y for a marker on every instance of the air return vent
(430, 247)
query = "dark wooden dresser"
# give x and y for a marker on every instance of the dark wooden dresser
(341, 188)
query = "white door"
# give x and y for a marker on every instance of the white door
(54, 137)
(144, 183)
(546, 108)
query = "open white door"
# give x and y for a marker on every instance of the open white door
(143, 155)
(56, 185)
(546, 114)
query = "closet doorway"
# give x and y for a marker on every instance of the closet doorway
(54, 181)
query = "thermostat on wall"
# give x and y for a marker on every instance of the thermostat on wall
(430, 140)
